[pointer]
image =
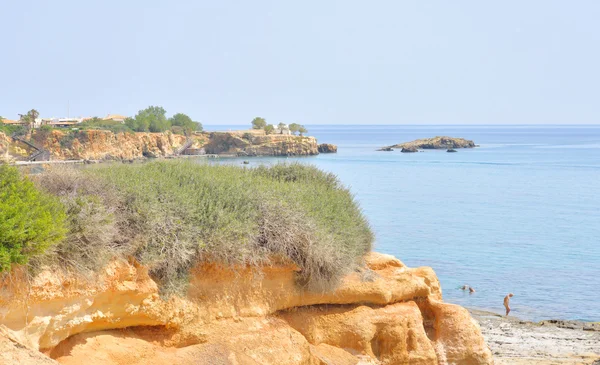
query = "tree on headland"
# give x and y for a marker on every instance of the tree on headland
(30, 118)
(259, 123)
(295, 127)
(185, 122)
(281, 126)
(151, 119)
(269, 129)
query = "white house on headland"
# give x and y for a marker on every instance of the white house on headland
(284, 130)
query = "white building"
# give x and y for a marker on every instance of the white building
(284, 130)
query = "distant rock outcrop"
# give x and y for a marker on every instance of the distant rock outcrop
(327, 148)
(386, 149)
(409, 149)
(434, 143)
(451, 150)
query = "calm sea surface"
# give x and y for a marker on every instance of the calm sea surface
(519, 214)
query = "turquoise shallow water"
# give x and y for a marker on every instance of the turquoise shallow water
(519, 214)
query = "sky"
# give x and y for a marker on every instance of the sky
(309, 62)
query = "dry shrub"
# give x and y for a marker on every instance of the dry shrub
(92, 220)
(171, 215)
(288, 233)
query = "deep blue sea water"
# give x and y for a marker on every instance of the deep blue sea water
(519, 214)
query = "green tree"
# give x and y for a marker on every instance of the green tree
(30, 118)
(294, 127)
(269, 129)
(30, 221)
(259, 123)
(281, 126)
(185, 122)
(302, 130)
(133, 124)
(151, 119)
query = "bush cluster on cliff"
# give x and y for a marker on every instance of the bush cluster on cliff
(170, 215)
(154, 119)
(30, 221)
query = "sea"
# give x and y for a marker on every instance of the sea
(519, 214)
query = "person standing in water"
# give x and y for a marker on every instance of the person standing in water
(507, 303)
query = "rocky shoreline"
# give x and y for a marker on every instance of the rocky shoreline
(103, 145)
(517, 342)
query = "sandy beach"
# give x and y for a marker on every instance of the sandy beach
(514, 341)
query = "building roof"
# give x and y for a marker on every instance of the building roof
(115, 116)
(62, 122)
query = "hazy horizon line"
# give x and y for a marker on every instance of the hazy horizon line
(427, 125)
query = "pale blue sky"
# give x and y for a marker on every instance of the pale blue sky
(311, 62)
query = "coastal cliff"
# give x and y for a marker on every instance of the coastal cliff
(260, 145)
(106, 145)
(386, 314)
(101, 145)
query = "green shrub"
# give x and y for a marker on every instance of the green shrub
(9, 129)
(30, 221)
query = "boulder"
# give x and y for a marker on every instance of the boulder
(451, 150)
(327, 148)
(409, 149)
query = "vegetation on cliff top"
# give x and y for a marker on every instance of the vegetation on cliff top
(171, 215)
(154, 119)
(261, 123)
(30, 221)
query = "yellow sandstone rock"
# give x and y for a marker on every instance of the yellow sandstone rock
(387, 314)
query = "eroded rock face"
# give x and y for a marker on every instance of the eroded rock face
(386, 314)
(13, 352)
(260, 145)
(106, 145)
(101, 145)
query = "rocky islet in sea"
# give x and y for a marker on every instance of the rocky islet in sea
(450, 144)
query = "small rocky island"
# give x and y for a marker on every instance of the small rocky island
(435, 143)
(327, 148)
